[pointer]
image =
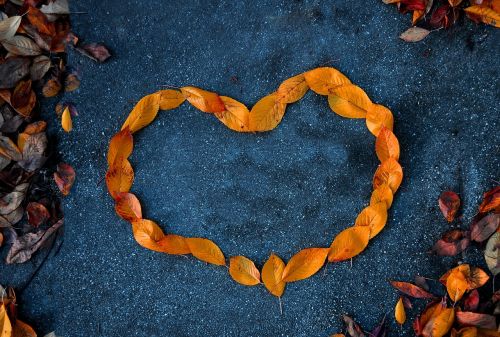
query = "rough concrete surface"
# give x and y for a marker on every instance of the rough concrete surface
(282, 191)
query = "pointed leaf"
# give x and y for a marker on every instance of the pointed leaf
(304, 264)
(386, 145)
(411, 290)
(206, 250)
(170, 99)
(147, 234)
(128, 207)
(484, 228)
(174, 245)
(349, 101)
(377, 117)
(203, 100)
(325, 79)
(143, 113)
(121, 145)
(266, 114)
(243, 271)
(449, 203)
(349, 243)
(399, 312)
(119, 177)
(383, 193)
(373, 216)
(272, 275)
(292, 89)
(8, 27)
(235, 116)
(390, 173)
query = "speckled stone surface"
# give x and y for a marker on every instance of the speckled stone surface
(282, 191)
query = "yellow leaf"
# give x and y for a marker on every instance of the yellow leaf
(390, 173)
(203, 100)
(292, 89)
(439, 325)
(206, 250)
(456, 285)
(373, 216)
(66, 122)
(143, 113)
(379, 116)
(349, 101)
(382, 193)
(484, 14)
(325, 79)
(170, 99)
(399, 312)
(235, 115)
(21, 329)
(266, 114)
(243, 271)
(5, 326)
(128, 207)
(148, 234)
(119, 177)
(174, 245)
(386, 145)
(121, 145)
(272, 275)
(349, 243)
(304, 264)
(21, 139)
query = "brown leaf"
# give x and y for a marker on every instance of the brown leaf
(21, 329)
(353, 329)
(411, 289)
(41, 65)
(64, 177)
(95, 51)
(22, 46)
(128, 207)
(52, 87)
(9, 149)
(472, 301)
(304, 264)
(272, 275)
(11, 201)
(414, 34)
(491, 201)
(243, 271)
(484, 228)
(71, 82)
(266, 114)
(37, 214)
(203, 100)
(34, 150)
(483, 321)
(40, 22)
(12, 70)
(206, 250)
(25, 246)
(445, 248)
(23, 98)
(449, 203)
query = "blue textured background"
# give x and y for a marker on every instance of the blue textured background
(282, 191)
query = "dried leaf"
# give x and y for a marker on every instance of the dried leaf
(445, 248)
(483, 14)
(55, 8)
(324, 80)
(174, 244)
(95, 51)
(380, 330)
(21, 329)
(119, 177)
(25, 246)
(292, 89)
(41, 64)
(373, 216)
(399, 312)
(64, 177)
(128, 207)
(34, 152)
(440, 324)
(414, 34)
(37, 214)
(11, 201)
(476, 278)
(304, 264)
(472, 301)
(349, 243)
(206, 250)
(143, 113)
(379, 116)
(456, 285)
(492, 253)
(426, 320)
(266, 114)
(353, 329)
(383, 193)
(39, 20)
(23, 98)
(243, 271)
(12, 70)
(52, 87)
(121, 145)
(170, 99)
(484, 228)
(22, 46)
(71, 82)
(411, 290)
(390, 173)
(455, 3)
(349, 101)
(8, 27)
(491, 201)
(386, 145)
(272, 275)
(483, 321)
(203, 100)
(449, 203)
(66, 122)
(5, 325)
(9, 149)
(147, 233)
(235, 116)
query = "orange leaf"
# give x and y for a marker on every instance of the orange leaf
(272, 275)
(349, 243)
(417, 15)
(235, 115)
(148, 234)
(5, 326)
(456, 284)
(304, 264)
(120, 145)
(454, 3)
(386, 145)
(21, 329)
(170, 99)
(203, 100)
(440, 324)
(390, 173)
(143, 113)
(491, 201)
(379, 116)
(206, 250)
(383, 193)
(243, 271)
(292, 89)
(128, 207)
(349, 101)
(266, 114)
(323, 80)
(174, 245)
(66, 122)
(399, 312)
(119, 177)
(483, 14)
(476, 278)
(449, 203)
(373, 216)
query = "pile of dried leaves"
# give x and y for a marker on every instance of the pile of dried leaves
(429, 15)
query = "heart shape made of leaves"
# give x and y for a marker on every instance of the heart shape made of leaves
(344, 98)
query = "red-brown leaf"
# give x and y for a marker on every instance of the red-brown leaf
(483, 321)
(449, 202)
(64, 177)
(411, 290)
(491, 201)
(484, 228)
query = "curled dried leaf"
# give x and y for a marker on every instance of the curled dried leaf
(119, 177)
(414, 34)
(203, 100)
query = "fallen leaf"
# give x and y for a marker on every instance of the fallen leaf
(8, 27)
(147, 233)
(380, 330)
(484, 228)
(377, 117)
(304, 264)
(121, 144)
(325, 79)
(71, 82)
(292, 89)
(454, 3)
(382, 193)
(445, 248)
(12, 70)
(478, 320)
(476, 278)
(483, 14)
(386, 145)
(55, 8)
(34, 152)
(492, 253)
(95, 51)
(235, 116)
(471, 303)
(399, 312)
(206, 250)
(349, 243)
(272, 275)
(5, 325)
(12, 200)
(23, 98)
(174, 245)
(9, 149)
(143, 113)
(439, 325)
(353, 329)
(456, 285)
(266, 114)
(64, 177)
(21, 329)
(421, 282)
(203, 100)
(491, 201)
(414, 34)
(37, 214)
(449, 203)
(22, 46)
(39, 20)
(411, 290)
(52, 87)
(390, 173)
(119, 177)
(426, 320)
(349, 101)
(170, 99)
(66, 122)
(243, 271)
(128, 207)
(40, 66)
(373, 216)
